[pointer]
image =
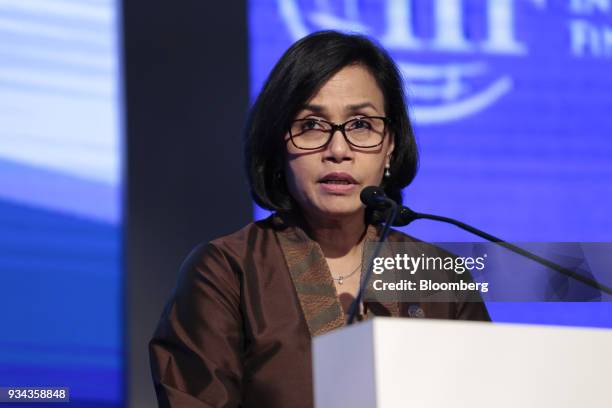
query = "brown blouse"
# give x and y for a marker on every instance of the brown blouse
(237, 330)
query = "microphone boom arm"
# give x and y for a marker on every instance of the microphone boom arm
(408, 216)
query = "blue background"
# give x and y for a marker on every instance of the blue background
(60, 199)
(534, 164)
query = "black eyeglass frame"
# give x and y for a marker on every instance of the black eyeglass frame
(341, 128)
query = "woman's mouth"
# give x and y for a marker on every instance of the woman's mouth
(338, 182)
(335, 182)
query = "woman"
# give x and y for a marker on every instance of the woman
(330, 120)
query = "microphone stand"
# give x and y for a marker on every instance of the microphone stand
(385, 233)
(407, 216)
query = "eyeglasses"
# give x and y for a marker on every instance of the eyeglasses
(364, 132)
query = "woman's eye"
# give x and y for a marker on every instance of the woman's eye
(360, 124)
(310, 124)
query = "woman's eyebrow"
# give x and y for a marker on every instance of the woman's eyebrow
(356, 107)
(314, 108)
(349, 108)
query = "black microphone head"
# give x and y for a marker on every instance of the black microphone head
(373, 196)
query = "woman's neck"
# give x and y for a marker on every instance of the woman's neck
(337, 237)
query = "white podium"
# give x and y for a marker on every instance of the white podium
(392, 362)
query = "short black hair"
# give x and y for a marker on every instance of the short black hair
(295, 78)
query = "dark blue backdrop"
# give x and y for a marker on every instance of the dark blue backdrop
(60, 199)
(512, 112)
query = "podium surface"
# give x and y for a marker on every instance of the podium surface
(403, 362)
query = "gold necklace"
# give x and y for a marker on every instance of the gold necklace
(340, 279)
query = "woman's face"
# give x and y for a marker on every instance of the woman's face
(327, 182)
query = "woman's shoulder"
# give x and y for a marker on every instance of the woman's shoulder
(403, 239)
(246, 237)
(235, 244)
(223, 257)
(222, 261)
(400, 236)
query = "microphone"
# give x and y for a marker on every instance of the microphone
(406, 216)
(374, 198)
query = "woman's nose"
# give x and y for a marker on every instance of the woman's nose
(338, 148)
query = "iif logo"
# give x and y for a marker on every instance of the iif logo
(458, 82)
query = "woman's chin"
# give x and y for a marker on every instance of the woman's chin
(339, 209)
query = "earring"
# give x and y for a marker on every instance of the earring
(387, 172)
